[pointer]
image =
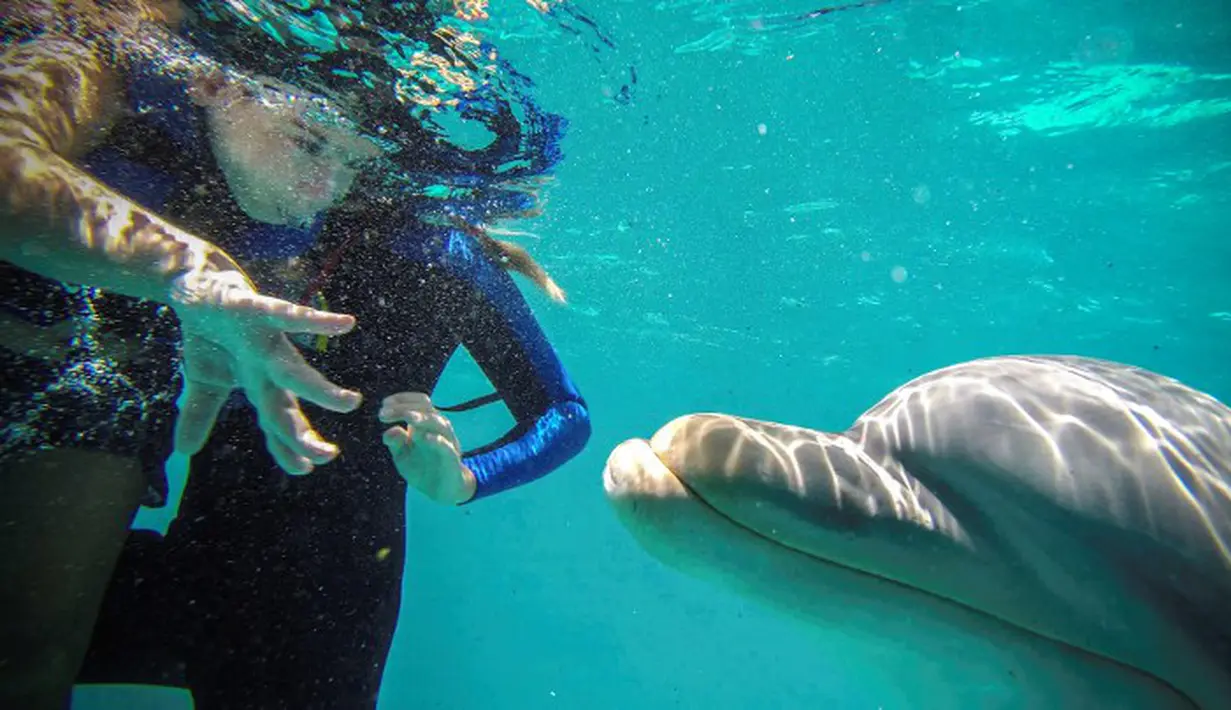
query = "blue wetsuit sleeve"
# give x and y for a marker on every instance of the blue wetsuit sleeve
(496, 326)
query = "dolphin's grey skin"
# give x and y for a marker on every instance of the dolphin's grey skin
(1061, 522)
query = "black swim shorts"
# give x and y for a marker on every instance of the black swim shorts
(109, 385)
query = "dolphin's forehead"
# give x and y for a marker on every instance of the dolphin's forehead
(1059, 390)
(1110, 443)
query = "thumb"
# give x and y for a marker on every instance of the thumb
(397, 439)
(199, 407)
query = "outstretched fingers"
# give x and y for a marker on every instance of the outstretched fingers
(209, 378)
(287, 460)
(286, 367)
(291, 439)
(235, 337)
(199, 406)
(288, 317)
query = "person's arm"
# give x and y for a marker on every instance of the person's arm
(56, 96)
(498, 329)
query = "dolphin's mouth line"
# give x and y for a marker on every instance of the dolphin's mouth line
(700, 499)
(696, 496)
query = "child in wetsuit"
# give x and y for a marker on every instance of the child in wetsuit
(276, 592)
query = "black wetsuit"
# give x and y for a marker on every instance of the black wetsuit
(271, 591)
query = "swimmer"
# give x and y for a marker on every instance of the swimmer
(97, 289)
(270, 591)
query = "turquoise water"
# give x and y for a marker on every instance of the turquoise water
(786, 224)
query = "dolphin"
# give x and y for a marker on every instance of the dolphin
(1061, 523)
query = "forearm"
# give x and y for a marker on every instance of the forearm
(55, 219)
(58, 222)
(547, 443)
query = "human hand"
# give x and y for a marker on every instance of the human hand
(426, 452)
(236, 337)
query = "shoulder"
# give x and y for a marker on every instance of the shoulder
(444, 246)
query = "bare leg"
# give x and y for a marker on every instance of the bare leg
(64, 515)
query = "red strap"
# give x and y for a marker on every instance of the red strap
(331, 263)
